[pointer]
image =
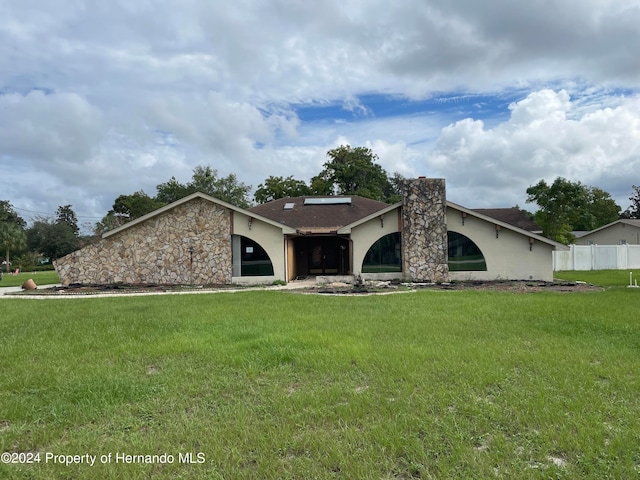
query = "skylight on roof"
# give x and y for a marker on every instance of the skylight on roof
(328, 201)
(289, 206)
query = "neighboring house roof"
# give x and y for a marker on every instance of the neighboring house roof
(634, 222)
(580, 233)
(513, 216)
(313, 214)
(188, 199)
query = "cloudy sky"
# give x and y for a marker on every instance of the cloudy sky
(102, 98)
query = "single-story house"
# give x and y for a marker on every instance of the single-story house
(620, 232)
(203, 240)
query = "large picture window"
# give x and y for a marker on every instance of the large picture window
(384, 255)
(464, 255)
(249, 258)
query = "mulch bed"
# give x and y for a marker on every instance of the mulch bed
(334, 289)
(506, 286)
(122, 289)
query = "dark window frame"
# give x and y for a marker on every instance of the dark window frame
(254, 260)
(463, 254)
(385, 255)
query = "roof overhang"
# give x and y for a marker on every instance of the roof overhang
(507, 226)
(347, 228)
(193, 196)
(317, 231)
(625, 221)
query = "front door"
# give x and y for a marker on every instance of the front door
(327, 256)
(321, 256)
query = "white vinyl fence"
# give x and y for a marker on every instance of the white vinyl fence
(597, 257)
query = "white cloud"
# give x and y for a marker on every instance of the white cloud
(103, 98)
(541, 140)
(50, 131)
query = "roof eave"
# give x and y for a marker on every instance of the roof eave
(347, 228)
(620, 220)
(188, 198)
(508, 226)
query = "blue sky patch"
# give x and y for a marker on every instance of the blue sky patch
(454, 106)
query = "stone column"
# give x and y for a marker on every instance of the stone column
(424, 230)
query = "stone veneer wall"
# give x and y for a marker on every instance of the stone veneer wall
(156, 251)
(424, 230)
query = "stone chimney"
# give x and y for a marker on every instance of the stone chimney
(424, 230)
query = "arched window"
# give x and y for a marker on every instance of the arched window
(249, 258)
(464, 255)
(384, 255)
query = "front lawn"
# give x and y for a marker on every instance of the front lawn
(430, 384)
(47, 277)
(610, 278)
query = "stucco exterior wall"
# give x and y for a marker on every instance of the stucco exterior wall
(157, 250)
(613, 235)
(366, 234)
(508, 256)
(270, 238)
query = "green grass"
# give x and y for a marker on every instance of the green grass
(432, 384)
(610, 278)
(47, 277)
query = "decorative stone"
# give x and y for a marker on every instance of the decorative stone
(424, 230)
(157, 251)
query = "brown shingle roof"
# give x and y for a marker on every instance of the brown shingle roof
(323, 218)
(513, 216)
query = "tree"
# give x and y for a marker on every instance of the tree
(206, 180)
(55, 238)
(602, 209)
(65, 214)
(231, 191)
(395, 187)
(634, 209)
(52, 238)
(135, 205)
(8, 214)
(126, 208)
(562, 205)
(352, 171)
(274, 188)
(12, 235)
(110, 221)
(171, 191)
(12, 238)
(322, 184)
(566, 206)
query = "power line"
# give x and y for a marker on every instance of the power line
(52, 214)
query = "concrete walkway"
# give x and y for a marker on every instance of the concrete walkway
(10, 290)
